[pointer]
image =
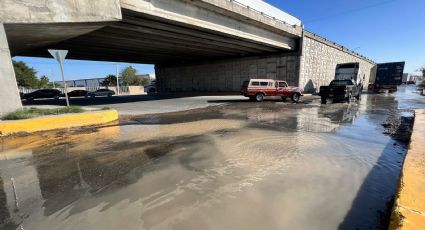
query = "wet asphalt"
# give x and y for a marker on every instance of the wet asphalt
(235, 165)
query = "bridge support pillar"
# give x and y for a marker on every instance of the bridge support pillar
(9, 93)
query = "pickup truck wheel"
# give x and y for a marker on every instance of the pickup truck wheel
(284, 98)
(295, 97)
(349, 99)
(259, 97)
(359, 97)
(323, 100)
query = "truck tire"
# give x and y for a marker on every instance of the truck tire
(359, 97)
(259, 97)
(295, 97)
(349, 98)
(323, 100)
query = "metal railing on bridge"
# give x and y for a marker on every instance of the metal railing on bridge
(262, 13)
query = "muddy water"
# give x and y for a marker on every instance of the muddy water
(244, 165)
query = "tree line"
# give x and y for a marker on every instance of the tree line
(128, 76)
(27, 77)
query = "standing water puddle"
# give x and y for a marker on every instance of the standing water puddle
(239, 166)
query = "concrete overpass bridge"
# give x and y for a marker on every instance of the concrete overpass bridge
(196, 45)
(141, 31)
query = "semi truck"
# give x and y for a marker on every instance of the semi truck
(388, 76)
(348, 71)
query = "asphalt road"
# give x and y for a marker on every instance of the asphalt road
(237, 165)
(148, 104)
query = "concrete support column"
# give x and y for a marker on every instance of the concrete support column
(9, 94)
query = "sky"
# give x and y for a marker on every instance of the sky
(382, 30)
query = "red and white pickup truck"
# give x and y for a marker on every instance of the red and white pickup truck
(257, 89)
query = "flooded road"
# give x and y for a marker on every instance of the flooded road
(243, 165)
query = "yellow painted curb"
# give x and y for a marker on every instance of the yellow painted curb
(409, 209)
(57, 122)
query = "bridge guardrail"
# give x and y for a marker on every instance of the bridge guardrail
(262, 13)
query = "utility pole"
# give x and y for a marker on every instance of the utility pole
(118, 82)
(51, 77)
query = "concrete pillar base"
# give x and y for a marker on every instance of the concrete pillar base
(9, 94)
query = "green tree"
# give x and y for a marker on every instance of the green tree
(43, 82)
(110, 80)
(51, 85)
(128, 76)
(145, 80)
(25, 75)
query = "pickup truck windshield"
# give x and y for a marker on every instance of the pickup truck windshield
(341, 83)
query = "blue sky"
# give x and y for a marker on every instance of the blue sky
(383, 30)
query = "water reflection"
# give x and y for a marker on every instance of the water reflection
(5, 219)
(263, 165)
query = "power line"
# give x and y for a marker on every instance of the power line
(349, 11)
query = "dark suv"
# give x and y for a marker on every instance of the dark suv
(43, 93)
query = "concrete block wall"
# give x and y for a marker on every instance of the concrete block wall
(227, 75)
(319, 59)
(9, 94)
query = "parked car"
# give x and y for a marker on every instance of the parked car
(258, 89)
(340, 90)
(100, 93)
(77, 93)
(151, 88)
(43, 93)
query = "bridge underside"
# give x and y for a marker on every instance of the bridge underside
(138, 38)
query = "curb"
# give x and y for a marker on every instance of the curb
(409, 208)
(57, 122)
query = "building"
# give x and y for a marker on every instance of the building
(92, 82)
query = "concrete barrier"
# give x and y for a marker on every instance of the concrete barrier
(409, 209)
(57, 122)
